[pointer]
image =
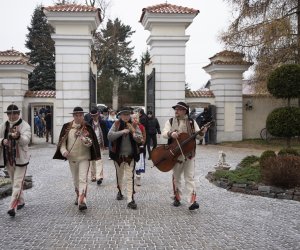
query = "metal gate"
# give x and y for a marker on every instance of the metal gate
(150, 105)
(93, 90)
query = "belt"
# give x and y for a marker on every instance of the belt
(124, 158)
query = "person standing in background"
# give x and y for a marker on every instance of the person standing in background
(141, 164)
(152, 130)
(201, 120)
(100, 129)
(48, 121)
(143, 119)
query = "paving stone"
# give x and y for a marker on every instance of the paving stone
(225, 220)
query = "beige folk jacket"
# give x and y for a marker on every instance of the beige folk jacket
(22, 148)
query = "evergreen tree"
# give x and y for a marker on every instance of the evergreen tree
(113, 57)
(42, 52)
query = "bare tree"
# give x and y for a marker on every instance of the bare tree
(267, 32)
(101, 4)
(64, 2)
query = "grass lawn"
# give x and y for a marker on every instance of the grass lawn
(274, 144)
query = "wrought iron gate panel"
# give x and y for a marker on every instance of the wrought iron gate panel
(150, 105)
(93, 90)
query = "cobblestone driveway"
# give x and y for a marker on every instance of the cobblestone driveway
(225, 220)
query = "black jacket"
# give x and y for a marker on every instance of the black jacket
(203, 118)
(153, 126)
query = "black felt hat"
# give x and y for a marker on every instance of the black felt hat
(125, 110)
(12, 108)
(94, 112)
(181, 105)
(77, 110)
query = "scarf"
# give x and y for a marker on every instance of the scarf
(11, 151)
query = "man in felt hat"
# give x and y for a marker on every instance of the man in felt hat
(15, 135)
(78, 144)
(185, 166)
(101, 131)
(124, 137)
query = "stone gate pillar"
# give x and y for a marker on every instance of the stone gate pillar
(167, 24)
(226, 70)
(74, 26)
(14, 71)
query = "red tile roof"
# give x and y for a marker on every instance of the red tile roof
(13, 57)
(167, 8)
(73, 8)
(227, 57)
(40, 93)
(14, 62)
(11, 52)
(199, 93)
(219, 62)
(228, 53)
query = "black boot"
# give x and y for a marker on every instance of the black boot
(176, 203)
(20, 206)
(12, 212)
(120, 196)
(132, 205)
(194, 206)
(82, 206)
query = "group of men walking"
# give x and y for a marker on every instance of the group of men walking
(81, 142)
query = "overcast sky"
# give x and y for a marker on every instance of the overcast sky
(214, 16)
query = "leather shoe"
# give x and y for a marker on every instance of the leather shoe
(176, 203)
(194, 206)
(120, 196)
(20, 206)
(12, 212)
(82, 206)
(99, 181)
(93, 179)
(132, 205)
(76, 202)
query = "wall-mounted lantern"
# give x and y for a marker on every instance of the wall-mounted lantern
(249, 105)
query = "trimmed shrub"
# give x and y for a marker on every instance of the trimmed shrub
(246, 175)
(288, 151)
(266, 154)
(281, 171)
(284, 122)
(248, 161)
(4, 181)
(284, 82)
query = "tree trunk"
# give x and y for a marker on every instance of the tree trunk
(298, 31)
(115, 96)
(298, 40)
(288, 142)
